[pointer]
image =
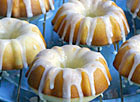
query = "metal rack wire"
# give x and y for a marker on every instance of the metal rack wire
(120, 77)
(100, 97)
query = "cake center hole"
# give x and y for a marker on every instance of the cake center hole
(9, 35)
(11, 30)
(95, 13)
(75, 63)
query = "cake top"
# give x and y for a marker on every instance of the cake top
(72, 60)
(88, 12)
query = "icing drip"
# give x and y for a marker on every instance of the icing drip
(41, 86)
(23, 52)
(3, 44)
(67, 86)
(52, 75)
(67, 25)
(109, 32)
(71, 77)
(92, 67)
(124, 59)
(91, 31)
(35, 48)
(28, 8)
(80, 31)
(74, 77)
(45, 64)
(42, 6)
(90, 74)
(51, 4)
(75, 11)
(125, 22)
(73, 24)
(120, 21)
(66, 7)
(136, 63)
(9, 8)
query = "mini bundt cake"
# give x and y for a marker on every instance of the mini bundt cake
(91, 22)
(127, 61)
(69, 73)
(24, 8)
(19, 43)
(134, 7)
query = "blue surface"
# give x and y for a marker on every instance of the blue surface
(8, 86)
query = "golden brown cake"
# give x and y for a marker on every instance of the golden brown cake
(134, 7)
(127, 61)
(91, 22)
(19, 43)
(69, 73)
(24, 8)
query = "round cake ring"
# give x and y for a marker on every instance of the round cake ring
(19, 43)
(127, 61)
(67, 69)
(91, 22)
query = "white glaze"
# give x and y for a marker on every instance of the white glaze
(42, 83)
(35, 48)
(51, 60)
(9, 7)
(128, 53)
(80, 31)
(23, 52)
(73, 24)
(108, 28)
(136, 63)
(120, 21)
(51, 4)
(3, 44)
(25, 31)
(91, 31)
(77, 10)
(29, 7)
(67, 25)
(134, 45)
(42, 6)
(126, 24)
(52, 75)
